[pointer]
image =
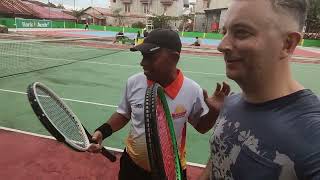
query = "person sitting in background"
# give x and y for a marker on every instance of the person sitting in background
(119, 37)
(197, 42)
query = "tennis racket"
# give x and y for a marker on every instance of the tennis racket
(59, 120)
(160, 136)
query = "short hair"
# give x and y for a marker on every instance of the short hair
(295, 8)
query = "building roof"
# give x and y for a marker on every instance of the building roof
(15, 8)
(97, 12)
(37, 3)
(45, 12)
(34, 9)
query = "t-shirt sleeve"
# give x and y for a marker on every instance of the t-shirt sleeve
(124, 107)
(309, 162)
(199, 108)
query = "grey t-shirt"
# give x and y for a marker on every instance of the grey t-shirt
(279, 139)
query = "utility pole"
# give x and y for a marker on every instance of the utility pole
(74, 11)
(49, 8)
(93, 12)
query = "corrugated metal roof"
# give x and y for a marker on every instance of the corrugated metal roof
(15, 7)
(32, 9)
(48, 12)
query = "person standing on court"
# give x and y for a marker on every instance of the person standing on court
(271, 130)
(187, 101)
(86, 26)
(138, 35)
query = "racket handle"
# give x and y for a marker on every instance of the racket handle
(104, 151)
(108, 154)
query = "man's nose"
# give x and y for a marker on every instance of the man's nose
(225, 44)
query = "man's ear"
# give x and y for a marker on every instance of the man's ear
(290, 44)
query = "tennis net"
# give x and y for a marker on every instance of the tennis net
(24, 56)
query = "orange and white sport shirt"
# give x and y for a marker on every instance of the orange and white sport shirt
(186, 103)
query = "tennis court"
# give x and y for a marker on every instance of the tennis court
(91, 73)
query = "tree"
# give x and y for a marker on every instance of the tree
(118, 17)
(313, 17)
(161, 21)
(138, 24)
(60, 6)
(51, 5)
(77, 13)
(186, 22)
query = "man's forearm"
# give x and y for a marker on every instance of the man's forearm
(207, 121)
(117, 121)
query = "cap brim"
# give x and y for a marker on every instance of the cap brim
(145, 48)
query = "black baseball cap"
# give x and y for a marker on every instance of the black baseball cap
(159, 38)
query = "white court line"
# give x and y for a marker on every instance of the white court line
(108, 64)
(86, 102)
(109, 148)
(66, 99)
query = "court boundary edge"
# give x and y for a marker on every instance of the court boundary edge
(109, 148)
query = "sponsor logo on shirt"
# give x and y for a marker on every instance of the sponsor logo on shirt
(139, 106)
(179, 112)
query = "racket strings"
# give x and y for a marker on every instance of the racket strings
(61, 118)
(165, 141)
(161, 153)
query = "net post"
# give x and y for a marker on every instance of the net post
(15, 21)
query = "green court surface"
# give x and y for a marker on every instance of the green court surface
(94, 87)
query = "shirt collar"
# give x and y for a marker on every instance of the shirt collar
(172, 89)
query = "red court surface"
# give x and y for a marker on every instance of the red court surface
(34, 158)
